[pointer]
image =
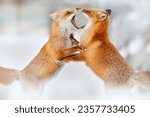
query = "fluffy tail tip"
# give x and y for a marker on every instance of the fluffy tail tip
(8, 76)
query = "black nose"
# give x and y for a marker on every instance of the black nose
(78, 8)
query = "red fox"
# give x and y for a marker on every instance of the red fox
(44, 65)
(101, 55)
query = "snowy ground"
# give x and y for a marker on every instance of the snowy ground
(23, 32)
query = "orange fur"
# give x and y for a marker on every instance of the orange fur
(43, 65)
(103, 58)
(101, 55)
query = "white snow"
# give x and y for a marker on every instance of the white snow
(24, 31)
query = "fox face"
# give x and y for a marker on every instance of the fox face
(97, 19)
(78, 21)
(96, 15)
(66, 20)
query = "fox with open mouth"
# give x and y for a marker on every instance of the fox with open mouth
(101, 55)
(44, 64)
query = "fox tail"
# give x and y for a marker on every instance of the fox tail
(8, 76)
(143, 78)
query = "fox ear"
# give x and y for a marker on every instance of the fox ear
(108, 11)
(54, 15)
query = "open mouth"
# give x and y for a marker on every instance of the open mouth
(73, 21)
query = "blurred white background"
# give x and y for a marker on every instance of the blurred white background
(25, 27)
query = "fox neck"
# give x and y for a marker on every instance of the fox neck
(61, 37)
(113, 67)
(92, 35)
(55, 30)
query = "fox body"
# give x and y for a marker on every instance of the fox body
(101, 55)
(44, 65)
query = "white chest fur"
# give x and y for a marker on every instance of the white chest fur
(66, 30)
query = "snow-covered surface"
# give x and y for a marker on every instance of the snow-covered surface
(25, 29)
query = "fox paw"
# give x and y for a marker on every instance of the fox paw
(59, 62)
(82, 48)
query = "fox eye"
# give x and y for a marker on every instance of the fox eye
(68, 12)
(103, 16)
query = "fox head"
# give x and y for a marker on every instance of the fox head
(98, 21)
(78, 21)
(66, 20)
